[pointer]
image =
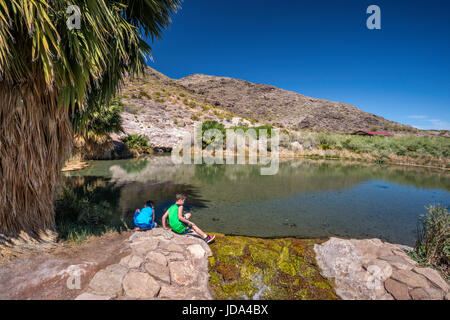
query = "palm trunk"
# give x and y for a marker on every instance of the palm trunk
(35, 140)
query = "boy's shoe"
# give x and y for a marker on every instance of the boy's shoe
(209, 239)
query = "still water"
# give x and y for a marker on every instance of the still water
(306, 199)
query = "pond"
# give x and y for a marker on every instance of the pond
(306, 199)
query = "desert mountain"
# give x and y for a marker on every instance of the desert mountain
(163, 108)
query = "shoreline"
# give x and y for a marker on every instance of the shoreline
(80, 165)
(238, 267)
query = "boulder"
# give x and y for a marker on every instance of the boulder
(175, 256)
(197, 251)
(398, 290)
(399, 262)
(419, 294)
(156, 257)
(434, 277)
(410, 278)
(135, 262)
(142, 247)
(140, 285)
(435, 294)
(158, 271)
(182, 273)
(108, 281)
(166, 234)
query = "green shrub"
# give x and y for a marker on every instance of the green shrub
(433, 241)
(137, 143)
(210, 125)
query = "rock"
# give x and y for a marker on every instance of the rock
(197, 251)
(156, 257)
(182, 273)
(384, 270)
(434, 277)
(172, 293)
(91, 296)
(398, 290)
(447, 296)
(398, 262)
(166, 234)
(386, 296)
(419, 294)
(140, 285)
(158, 271)
(142, 247)
(175, 256)
(124, 261)
(135, 262)
(404, 248)
(171, 247)
(108, 281)
(410, 278)
(435, 294)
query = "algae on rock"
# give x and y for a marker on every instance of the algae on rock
(253, 268)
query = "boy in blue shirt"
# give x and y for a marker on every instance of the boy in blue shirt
(145, 219)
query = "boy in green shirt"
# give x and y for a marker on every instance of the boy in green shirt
(180, 223)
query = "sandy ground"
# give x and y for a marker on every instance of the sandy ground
(45, 275)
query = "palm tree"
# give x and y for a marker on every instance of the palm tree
(49, 72)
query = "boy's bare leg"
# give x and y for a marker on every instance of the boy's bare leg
(199, 231)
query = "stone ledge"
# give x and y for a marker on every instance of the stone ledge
(162, 265)
(374, 270)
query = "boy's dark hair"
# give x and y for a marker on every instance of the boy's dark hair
(150, 203)
(180, 196)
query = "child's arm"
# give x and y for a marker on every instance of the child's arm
(181, 218)
(164, 218)
(153, 215)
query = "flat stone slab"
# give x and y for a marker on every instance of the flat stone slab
(182, 272)
(158, 271)
(397, 289)
(108, 281)
(410, 278)
(140, 285)
(434, 277)
(156, 257)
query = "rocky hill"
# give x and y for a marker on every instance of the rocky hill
(163, 109)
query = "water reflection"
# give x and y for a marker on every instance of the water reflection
(305, 199)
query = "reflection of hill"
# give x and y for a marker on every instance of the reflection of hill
(157, 176)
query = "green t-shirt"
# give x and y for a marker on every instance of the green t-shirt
(174, 222)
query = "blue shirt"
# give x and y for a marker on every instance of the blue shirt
(145, 216)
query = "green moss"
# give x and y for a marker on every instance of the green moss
(320, 284)
(235, 250)
(302, 294)
(241, 266)
(214, 278)
(309, 272)
(263, 255)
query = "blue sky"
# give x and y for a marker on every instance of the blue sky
(322, 49)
